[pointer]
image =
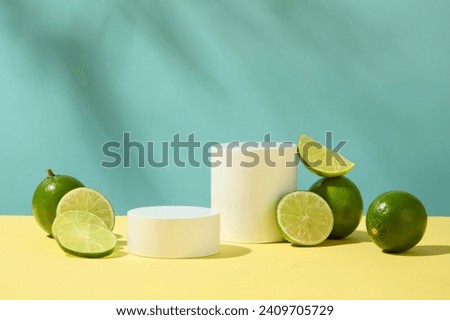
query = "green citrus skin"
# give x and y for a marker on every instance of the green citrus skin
(47, 195)
(396, 221)
(345, 201)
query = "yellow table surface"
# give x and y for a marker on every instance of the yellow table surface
(34, 267)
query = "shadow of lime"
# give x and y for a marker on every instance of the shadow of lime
(424, 251)
(120, 251)
(356, 237)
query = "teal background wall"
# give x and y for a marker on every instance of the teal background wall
(75, 74)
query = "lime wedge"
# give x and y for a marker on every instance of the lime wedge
(75, 216)
(322, 161)
(305, 218)
(86, 240)
(90, 200)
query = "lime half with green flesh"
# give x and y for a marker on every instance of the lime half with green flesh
(75, 216)
(90, 200)
(86, 240)
(322, 161)
(304, 218)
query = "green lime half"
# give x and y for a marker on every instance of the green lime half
(75, 216)
(322, 161)
(304, 218)
(86, 240)
(90, 200)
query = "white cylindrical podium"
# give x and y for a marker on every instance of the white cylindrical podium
(173, 232)
(247, 182)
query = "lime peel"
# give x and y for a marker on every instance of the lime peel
(47, 195)
(396, 221)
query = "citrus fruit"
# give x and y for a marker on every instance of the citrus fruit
(345, 201)
(47, 195)
(86, 240)
(90, 200)
(322, 161)
(396, 221)
(75, 216)
(304, 218)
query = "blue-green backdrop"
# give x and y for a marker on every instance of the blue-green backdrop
(76, 74)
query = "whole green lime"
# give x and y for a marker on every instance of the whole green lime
(396, 221)
(345, 201)
(47, 195)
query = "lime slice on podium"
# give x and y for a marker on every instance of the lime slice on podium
(322, 161)
(75, 216)
(90, 200)
(304, 218)
(86, 240)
